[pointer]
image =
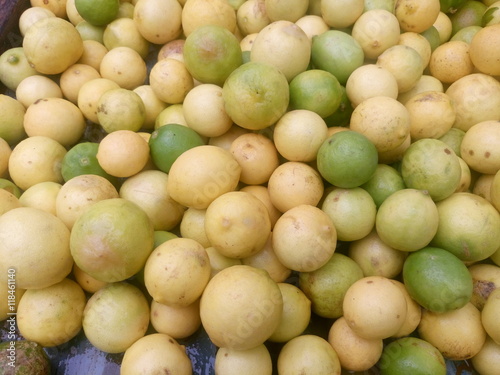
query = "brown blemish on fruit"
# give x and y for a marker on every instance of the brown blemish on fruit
(487, 154)
(447, 151)
(471, 153)
(369, 282)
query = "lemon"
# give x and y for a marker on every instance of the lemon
(482, 51)
(177, 272)
(355, 353)
(148, 190)
(52, 45)
(385, 181)
(429, 164)
(352, 212)
(244, 362)
(121, 109)
(36, 159)
(469, 227)
(42, 195)
(237, 224)
(104, 322)
(178, 322)
(211, 53)
(51, 316)
(125, 236)
(284, 45)
(308, 354)
(437, 279)
(98, 12)
(256, 95)
(15, 67)
(244, 322)
(296, 313)
(156, 352)
(36, 244)
(347, 159)
(168, 142)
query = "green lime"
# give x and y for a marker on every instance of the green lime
(347, 159)
(161, 236)
(326, 286)
(411, 355)
(90, 32)
(342, 116)
(98, 12)
(211, 53)
(437, 280)
(10, 187)
(336, 52)
(453, 138)
(385, 181)
(169, 141)
(432, 35)
(316, 90)
(466, 34)
(470, 14)
(81, 159)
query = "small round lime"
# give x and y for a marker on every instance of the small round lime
(98, 12)
(347, 159)
(161, 236)
(169, 141)
(437, 280)
(336, 52)
(385, 181)
(411, 355)
(317, 91)
(81, 159)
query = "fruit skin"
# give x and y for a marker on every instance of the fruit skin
(407, 220)
(326, 286)
(347, 159)
(469, 227)
(211, 53)
(429, 164)
(121, 253)
(411, 355)
(256, 95)
(108, 10)
(336, 52)
(437, 280)
(81, 159)
(241, 307)
(169, 141)
(29, 358)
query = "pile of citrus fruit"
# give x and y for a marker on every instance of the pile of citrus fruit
(245, 167)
